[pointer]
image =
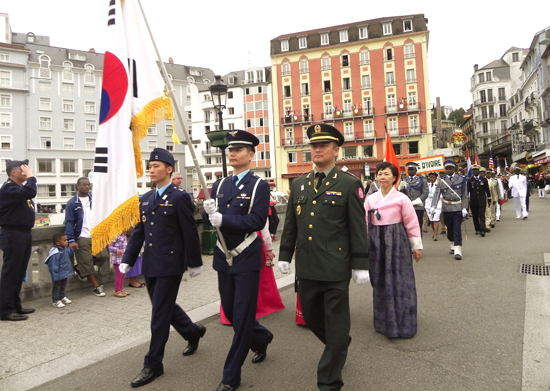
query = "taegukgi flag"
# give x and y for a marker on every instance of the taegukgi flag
(132, 99)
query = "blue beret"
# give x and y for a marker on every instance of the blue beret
(16, 163)
(324, 133)
(162, 155)
(447, 163)
(241, 138)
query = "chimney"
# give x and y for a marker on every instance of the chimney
(170, 60)
(476, 68)
(92, 50)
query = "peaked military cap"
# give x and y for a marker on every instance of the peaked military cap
(412, 165)
(16, 163)
(482, 169)
(475, 167)
(448, 163)
(324, 133)
(433, 174)
(162, 155)
(241, 138)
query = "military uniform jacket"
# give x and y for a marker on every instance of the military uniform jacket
(170, 234)
(234, 203)
(451, 202)
(16, 205)
(417, 187)
(494, 189)
(478, 190)
(327, 228)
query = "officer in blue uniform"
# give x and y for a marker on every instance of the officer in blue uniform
(454, 204)
(16, 221)
(416, 188)
(239, 207)
(480, 196)
(171, 239)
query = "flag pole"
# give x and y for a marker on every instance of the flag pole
(180, 120)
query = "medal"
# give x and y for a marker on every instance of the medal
(298, 210)
(143, 218)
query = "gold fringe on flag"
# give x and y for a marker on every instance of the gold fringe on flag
(153, 112)
(124, 217)
(175, 137)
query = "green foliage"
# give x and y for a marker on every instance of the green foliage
(457, 116)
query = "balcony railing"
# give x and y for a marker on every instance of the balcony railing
(211, 152)
(297, 119)
(294, 141)
(484, 101)
(351, 113)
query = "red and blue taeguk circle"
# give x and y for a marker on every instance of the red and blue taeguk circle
(114, 88)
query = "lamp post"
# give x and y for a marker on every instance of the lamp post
(218, 91)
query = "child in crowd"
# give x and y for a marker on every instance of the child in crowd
(117, 249)
(59, 263)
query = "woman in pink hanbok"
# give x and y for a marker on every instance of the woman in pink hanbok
(394, 234)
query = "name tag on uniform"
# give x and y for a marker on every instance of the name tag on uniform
(145, 203)
(219, 195)
(300, 198)
(333, 193)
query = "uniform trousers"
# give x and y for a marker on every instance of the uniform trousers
(325, 306)
(478, 215)
(16, 246)
(491, 214)
(163, 292)
(453, 221)
(520, 206)
(239, 296)
(420, 217)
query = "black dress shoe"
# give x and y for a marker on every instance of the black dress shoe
(226, 387)
(482, 233)
(492, 225)
(477, 232)
(24, 311)
(146, 376)
(487, 230)
(193, 344)
(14, 316)
(261, 354)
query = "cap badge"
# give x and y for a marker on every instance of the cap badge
(233, 133)
(317, 128)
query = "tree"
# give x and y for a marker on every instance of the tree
(457, 116)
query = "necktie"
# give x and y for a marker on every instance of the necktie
(235, 179)
(518, 176)
(320, 176)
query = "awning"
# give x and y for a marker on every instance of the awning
(218, 173)
(201, 194)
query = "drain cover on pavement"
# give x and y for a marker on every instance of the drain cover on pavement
(537, 270)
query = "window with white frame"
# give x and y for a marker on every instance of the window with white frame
(45, 142)
(67, 88)
(68, 189)
(5, 142)
(89, 77)
(392, 124)
(259, 76)
(195, 72)
(286, 68)
(303, 65)
(306, 156)
(152, 130)
(5, 101)
(77, 56)
(390, 79)
(188, 115)
(289, 136)
(365, 81)
(367, 105)
(348, 131)
(68, 124)
(388, 53)
(89, 107)
(44, 86)
(302, 42)
(386, 28)
(170, 146)
(90, 126)
(325, 62)
(364, 57)
(363, 33)
(231, 126)
(324, 39)
(5, 57)
(409, 50)
(407, 25)
(411, 99)
(347, 105)
(411, 78)
(328, 108)
(369, 129)
(45, 71)
(68, 106)
(284, 45)
(45, 191)
(152, 144)
(413, 125)
(87, 166)
(90, 144)
(292, 157)
(45, 104)
(89, 90)
(5, 78)
(45, 123)
(68, 76)
(391, 101)
(5, 120)
(68, 143)
(168, 130)
(345, 60)
(343, 35)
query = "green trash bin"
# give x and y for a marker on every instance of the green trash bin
(209, 239)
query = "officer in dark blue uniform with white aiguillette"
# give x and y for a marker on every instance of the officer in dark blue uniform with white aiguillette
(239, 208)
(168, 228)
(416, 188)
(16, 220)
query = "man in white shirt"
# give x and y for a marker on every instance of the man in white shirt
(518, 186)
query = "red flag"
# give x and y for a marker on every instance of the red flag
(389, 155)
(476, 160)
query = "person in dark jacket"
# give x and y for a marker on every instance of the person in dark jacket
(59, 264)
(16, 220)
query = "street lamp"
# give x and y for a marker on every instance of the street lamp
(217, 138)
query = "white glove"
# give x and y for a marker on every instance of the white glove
(216, 219)
(464, 212)
(417, 202)
(124, 268)
(195, 271)
(361, 276)
(209, 206)
(284, 267)
(402, 185)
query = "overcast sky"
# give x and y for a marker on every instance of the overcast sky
(229, 36)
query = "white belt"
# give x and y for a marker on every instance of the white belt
(452, 202)
(243, 246)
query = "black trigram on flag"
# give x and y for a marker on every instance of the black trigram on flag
(101, 158)
(111, 17)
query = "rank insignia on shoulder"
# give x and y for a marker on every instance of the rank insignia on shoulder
(333, 193)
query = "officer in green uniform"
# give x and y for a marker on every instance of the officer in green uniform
(325, 224)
